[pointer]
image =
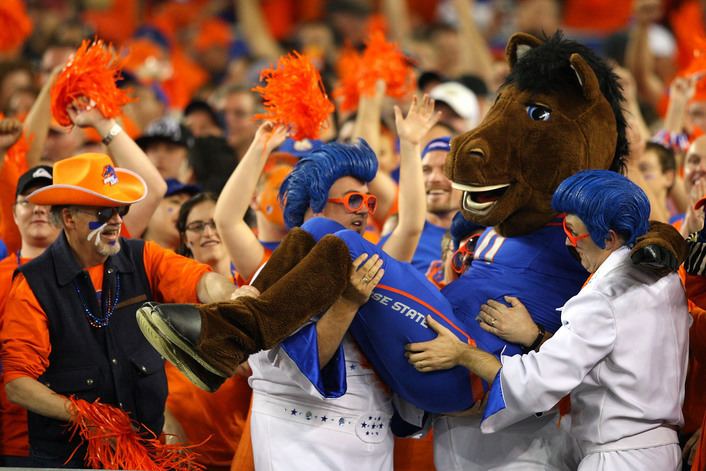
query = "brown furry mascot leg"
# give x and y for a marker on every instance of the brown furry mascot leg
(220, 336)
(294, 247)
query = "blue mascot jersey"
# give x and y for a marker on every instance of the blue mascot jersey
(536, 268)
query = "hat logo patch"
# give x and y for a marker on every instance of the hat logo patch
(109, 175)
(41, 173)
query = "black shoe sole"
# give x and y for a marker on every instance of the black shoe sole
(182, 360)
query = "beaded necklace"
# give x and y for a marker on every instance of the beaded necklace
(94, 320)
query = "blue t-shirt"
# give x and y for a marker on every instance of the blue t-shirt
(3, 250)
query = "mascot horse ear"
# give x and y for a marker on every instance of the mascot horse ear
(586, 77)
(518, 45)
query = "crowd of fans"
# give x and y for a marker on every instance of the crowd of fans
(213, 173)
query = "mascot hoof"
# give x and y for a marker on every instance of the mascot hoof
(173, 330)
(661, 250)
(655, 258)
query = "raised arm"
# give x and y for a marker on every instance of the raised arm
(681, 90)
(397, 16)
(334, 324)
(255, 29)
(474, 57)
(10, 130)
(127, 154)
(36, 125)
(421, 117)
(367, 126)
(638, 56)
(245, 251)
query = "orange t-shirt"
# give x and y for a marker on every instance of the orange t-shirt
(597, 16)
(13, 418)
(218, 418)
(699, 463)
(24, 338)
(689, 31)
(412, 454)
(10, 172)
(694, 399)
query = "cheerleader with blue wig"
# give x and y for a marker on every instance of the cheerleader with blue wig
(620, 352)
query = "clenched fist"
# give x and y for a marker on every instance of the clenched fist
(10, 131)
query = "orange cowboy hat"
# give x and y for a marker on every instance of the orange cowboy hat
(90, 180)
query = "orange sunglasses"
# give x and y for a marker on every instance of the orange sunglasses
(573, 239)
(463, 256)
(355, 200)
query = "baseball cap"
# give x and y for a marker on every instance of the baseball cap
(299, 148)
(439, 144)
(174, 187)
(429, 77)
(460, 99)
(165, 130)
(36, 177)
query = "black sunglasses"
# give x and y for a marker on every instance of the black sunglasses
(103, 215)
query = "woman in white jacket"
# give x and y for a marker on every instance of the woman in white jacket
(621, 352)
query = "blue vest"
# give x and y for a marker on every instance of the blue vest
(114, 363)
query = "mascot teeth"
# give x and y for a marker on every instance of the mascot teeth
(470, 205)
(480, 199)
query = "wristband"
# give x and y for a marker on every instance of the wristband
(114, 131)
(537, 341)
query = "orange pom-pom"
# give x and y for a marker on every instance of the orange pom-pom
(92, 74)
(381, 60)
(113, 442)
(294, 96)
(376, 22)
(15, 25)
(350, 69)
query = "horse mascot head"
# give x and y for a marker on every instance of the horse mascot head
(558, 112)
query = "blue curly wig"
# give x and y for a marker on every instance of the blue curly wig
(307, 186)
(604, 200)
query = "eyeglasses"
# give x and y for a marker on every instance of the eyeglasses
(200, 226)
(103, 215)
(573, 239)
(25, 203)
(355, 201)
(462, 258)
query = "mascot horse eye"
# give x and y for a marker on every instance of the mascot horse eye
(538, 112)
